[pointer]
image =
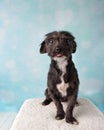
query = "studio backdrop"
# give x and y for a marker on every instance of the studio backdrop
(23, 25)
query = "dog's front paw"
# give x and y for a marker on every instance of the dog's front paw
(72, 120)
(60, 116)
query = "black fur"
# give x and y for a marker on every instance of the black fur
(61, 43)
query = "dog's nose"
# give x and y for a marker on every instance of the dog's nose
(58, 49)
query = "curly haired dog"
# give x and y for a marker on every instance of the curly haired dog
(62, 79)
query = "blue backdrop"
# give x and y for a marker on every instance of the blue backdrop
(23, 24)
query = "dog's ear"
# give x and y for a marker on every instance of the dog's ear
(74, 46)
(43, 48)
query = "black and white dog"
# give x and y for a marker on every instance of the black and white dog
(63, 79)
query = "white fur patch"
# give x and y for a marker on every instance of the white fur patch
(62, 63)
(62, 87)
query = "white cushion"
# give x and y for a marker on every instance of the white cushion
(34, 116)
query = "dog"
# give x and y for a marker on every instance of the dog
(62, 80)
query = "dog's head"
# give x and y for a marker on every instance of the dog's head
(58, 44)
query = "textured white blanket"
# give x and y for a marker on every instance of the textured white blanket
(34, 116)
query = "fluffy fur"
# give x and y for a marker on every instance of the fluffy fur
(62, 82)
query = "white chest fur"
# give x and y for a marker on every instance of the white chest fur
(62, 87)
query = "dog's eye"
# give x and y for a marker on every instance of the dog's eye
(66, 40)
(50, 41)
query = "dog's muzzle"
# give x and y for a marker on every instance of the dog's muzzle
(59, 52)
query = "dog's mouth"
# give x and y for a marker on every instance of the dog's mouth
(59, 55)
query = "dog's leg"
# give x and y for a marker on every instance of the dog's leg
(60, 112)
(48, 100)
(69, 110)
